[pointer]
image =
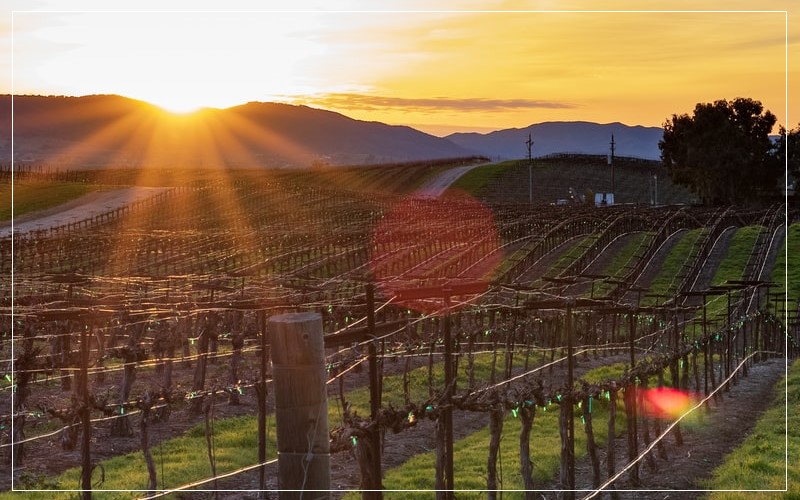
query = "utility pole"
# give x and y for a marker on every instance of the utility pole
(655, 190)
(529, 143)
(611, 162)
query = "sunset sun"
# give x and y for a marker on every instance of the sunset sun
(179, 104)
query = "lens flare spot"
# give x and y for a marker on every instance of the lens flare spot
(433, 243)
(668, 403)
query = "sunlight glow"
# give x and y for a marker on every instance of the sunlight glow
(178, 106)
(480, 69)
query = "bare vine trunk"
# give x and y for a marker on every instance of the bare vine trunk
(148, 457)
(199, 379)
(630, 418)
(591, 447)
(612, 434)
(527, 415)
(237, 342)
(495, 431)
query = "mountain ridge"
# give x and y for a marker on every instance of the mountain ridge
(564, 137)
(107, 130)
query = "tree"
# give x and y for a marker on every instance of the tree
(723, 152)
(789, 142)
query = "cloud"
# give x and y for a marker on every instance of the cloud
(375, 102)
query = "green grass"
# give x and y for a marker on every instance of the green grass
(471, 455)
(622, 260)
(732, 267)
(666, 280)
(477, 179)
(741, 245)
(470, 470)
(759, 463)
(575, 250)
(184, 460)
(512, 260)
(780, 273)
(235, 439)
(33, 196)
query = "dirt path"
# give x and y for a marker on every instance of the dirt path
(435, 187)
(720, 429)
(79, 209)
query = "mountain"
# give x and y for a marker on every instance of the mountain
(564, 137)
(108, 130)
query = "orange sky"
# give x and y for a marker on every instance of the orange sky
(475, 65)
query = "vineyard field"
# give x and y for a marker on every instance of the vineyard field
(475, 345)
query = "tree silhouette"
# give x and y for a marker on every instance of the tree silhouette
(789, 144)
(723, 152)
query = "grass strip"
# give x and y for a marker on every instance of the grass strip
(789, 276)
(731, 267)
(33, 196)
(666, 280)
(760, 462)
(182, 459)
(622, 261)
(476, 180)
(575, 250)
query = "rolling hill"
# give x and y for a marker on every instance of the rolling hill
(108, 130)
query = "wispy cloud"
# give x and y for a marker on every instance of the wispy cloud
(375, 102)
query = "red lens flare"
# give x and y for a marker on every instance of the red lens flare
(424, 244)
(668, 403)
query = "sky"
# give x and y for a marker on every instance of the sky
(441, 67)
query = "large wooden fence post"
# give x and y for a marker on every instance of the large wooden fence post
(301, 406)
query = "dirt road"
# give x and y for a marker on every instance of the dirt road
(78, 209)
(435, 187)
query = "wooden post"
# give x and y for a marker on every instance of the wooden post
(374, 445)
(570, 417)
(632, 337)
(447, 411)
(86, 456)
(261, 393)
(744, 345)
(728, 343)
(301, 406)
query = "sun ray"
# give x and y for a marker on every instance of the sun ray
(103, 143)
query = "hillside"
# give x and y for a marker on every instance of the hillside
(569, 177)
(107, 130)
(564, 137)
